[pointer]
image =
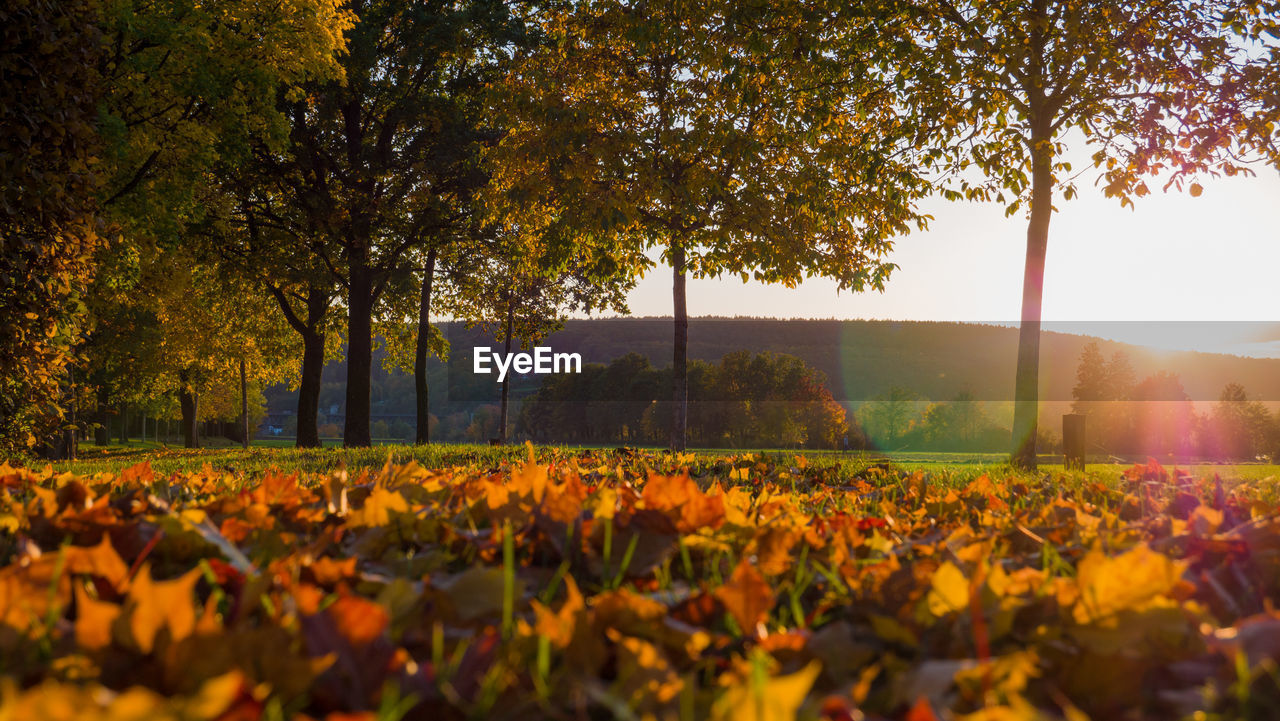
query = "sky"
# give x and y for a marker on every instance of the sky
(1182, 273)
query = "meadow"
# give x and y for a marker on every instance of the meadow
(280, 455)
(520, 582)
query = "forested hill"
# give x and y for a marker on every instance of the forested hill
(861, 359)
(936, 360)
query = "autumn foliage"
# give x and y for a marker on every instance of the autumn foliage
(647, 586)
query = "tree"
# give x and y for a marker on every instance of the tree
(1256, 25)
(188, 84)
(1101, 391)
(184, 88)
(959, 424)
(48, 225)
(1164, 417)
(726, 136)
(1001, 88)
(1239, 427)
(887, 417)
(207, 322)
(507, 291)
(382, 159)
(264, 241)
(1092, 379)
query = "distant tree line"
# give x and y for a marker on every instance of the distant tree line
(1155, 416)
(744, 401)
(898, 420)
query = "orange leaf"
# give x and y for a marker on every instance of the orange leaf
(922, 711)
(746, 596)
(358, 620)
(558, 626)
(773, 549)
(328, 571)
(155, 606)
(100, 560)
(93, 621)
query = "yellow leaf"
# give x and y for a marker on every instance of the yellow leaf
(777, 699)
(378, 507)
(1205, 520)
(949, 591)
(605, 504)
(645, 678)
(1134, 580)
(530, 479)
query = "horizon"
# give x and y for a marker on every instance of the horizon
(1157, 336)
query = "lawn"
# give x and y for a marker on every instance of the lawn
(264, 454)
(473, 582)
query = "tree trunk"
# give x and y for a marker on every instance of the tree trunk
(190, 403)
(124, 424)
(421, 351)
(308, 435)
(506, 381)
(1026, 391)
(244, 406)
(359, 355)
(71, 436)
(680, 350)
(309, 390)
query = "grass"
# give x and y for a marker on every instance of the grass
(843, 464)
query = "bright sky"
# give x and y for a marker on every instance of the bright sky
(1172, 258)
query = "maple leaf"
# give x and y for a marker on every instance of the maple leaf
(747, 596)
(100, 560)
(558, 626)
(94, 620)
(29, 590)
(136, 476)
(328, 571)
(279, 489)
(529, 480)
(684, 502)
(155, 607)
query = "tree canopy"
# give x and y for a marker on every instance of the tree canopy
(726, 137)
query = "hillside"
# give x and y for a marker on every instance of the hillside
(861, 360)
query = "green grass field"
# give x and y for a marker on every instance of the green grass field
(265, 454)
